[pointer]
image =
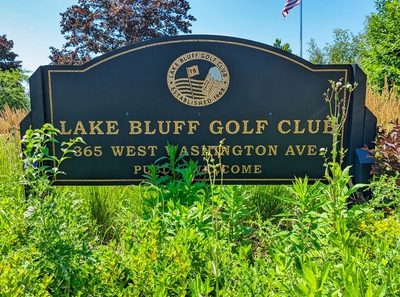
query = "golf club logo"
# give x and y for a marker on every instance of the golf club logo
(198, 78)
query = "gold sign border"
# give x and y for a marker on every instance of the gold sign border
(50, 72)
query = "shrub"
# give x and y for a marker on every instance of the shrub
(387, 152)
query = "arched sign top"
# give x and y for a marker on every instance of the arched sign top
(204, 39)
(193, 91)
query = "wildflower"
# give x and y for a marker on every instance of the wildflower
(338, 84)
(322, 151)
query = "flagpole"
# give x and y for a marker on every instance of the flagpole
(301, 28)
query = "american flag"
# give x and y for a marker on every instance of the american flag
(289, 5)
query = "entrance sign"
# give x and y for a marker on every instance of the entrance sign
(194, 91)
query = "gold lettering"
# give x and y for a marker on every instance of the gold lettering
(235, 169)
(112, 127)
(228, 127)
(193, 126)
(147, 130)
(290, 151)
(152, 149)
(178, 125)
(248, 147)
(130, 151)
(327, 127)
(300, 150)
(135, 127)
(194, 151)
(146, 170)
(261, 150)
(310, 126)
(237, 150)
(160, 127)
(257, 169)
(225, 150)
(117, 150)
(246, 169)
(243, 169)
(137, 169)
(219, 128)
(183, 150)
(245, 131)
(312, 150)
(94, 125)
(272, 150)
(280, 129)
(141, 151)
(261, 126)
(79, 127)
(296, 127)
(62, 130)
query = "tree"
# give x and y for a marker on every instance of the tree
(12, 89)
(285, 47)
(95, 27)
(381, 50)
(344, 49)
(12, 77)
(7, 57)
(315, 54)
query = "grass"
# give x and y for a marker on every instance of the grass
(10, 119)
(299, 240)
(385, 106)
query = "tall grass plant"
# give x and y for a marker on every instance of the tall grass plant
(184, 233)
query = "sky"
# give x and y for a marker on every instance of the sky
(34, 25)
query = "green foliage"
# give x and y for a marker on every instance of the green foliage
(263, 201)
(45, 246)
(381, 57)
(385, 192)
(178, 235)
(320, 252)
(12, 90)
(175, 179)
(344, 49)
(105, 204)
(285, 47)
(315, 54)
(40, 167)
(57, 228)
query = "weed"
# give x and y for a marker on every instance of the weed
(40, 168)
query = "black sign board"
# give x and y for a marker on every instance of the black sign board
(195, 91)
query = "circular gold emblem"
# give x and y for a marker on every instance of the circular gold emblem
(198, 78)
